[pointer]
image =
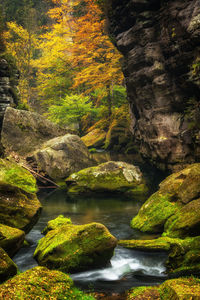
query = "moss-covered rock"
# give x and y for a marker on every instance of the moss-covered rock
(155, 212)
(95, 138)
(11, 239)
(7, 266)
(71, 248)
(111, 177)
(175, 207)
(41, 283)
(53, 224)
(19, 206)
(183, 254)
(176, 289)
(13, 176)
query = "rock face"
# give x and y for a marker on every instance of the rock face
(160, 43)
(19, 206)
(24, 131)
(41, 283)
(72, 248)
(61, 156)
(108, 177)
(174, 208)
(7, 267)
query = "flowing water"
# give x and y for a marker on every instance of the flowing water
(127, 268)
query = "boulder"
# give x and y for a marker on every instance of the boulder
(19, 206)
(41, 283)
(7, 266)
(72, 248)
(24, 131)
(53, 224)
(179, 289)
(61, 156)
(110, 177)
(11, 239)
(95, 138)
(174, 208)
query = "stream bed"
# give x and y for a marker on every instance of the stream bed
(128, 268)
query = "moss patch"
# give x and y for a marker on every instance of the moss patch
(40, 283)
(59, 221)
(14, 176)
(72, 248)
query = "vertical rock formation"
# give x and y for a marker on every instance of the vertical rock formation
(160, 41)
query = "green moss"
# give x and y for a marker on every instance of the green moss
(59, 221)
(13, 175)
(75, 247)
(11, 239)
(154, 213)
(41, 283)
(143, 293)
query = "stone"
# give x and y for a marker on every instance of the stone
(159, 41)
(19, 206)
(111, 176)
(174, 208)
(62, 156)
(7, 267)
(41, 283)
(179, 289)
(54, 224)
(11, 239)
(72, 248)
(24, 131)
(94, 138)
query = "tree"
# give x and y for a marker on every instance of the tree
(21, 44)
(70, 110)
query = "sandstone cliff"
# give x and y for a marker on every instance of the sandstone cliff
(160, 41)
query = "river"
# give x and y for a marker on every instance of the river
(128, 268)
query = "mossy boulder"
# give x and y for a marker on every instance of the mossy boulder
(11, 239)
(177, 289)
(62, 156)
(7, 266)
(71, 248)
(41, 283)
(95, 138)
(19, 206)
(110, 177)
(183, 254)
(175, 207)
(54, 224)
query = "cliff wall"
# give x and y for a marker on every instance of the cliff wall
(160, 41)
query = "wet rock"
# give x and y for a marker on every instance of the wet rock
(111, 177)
(41, 283)
(160, 44)
(7, 266)
(11, 239)
(174, 208)
(61, 156)
(24, 131)
(72, 248)
(19, 206)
